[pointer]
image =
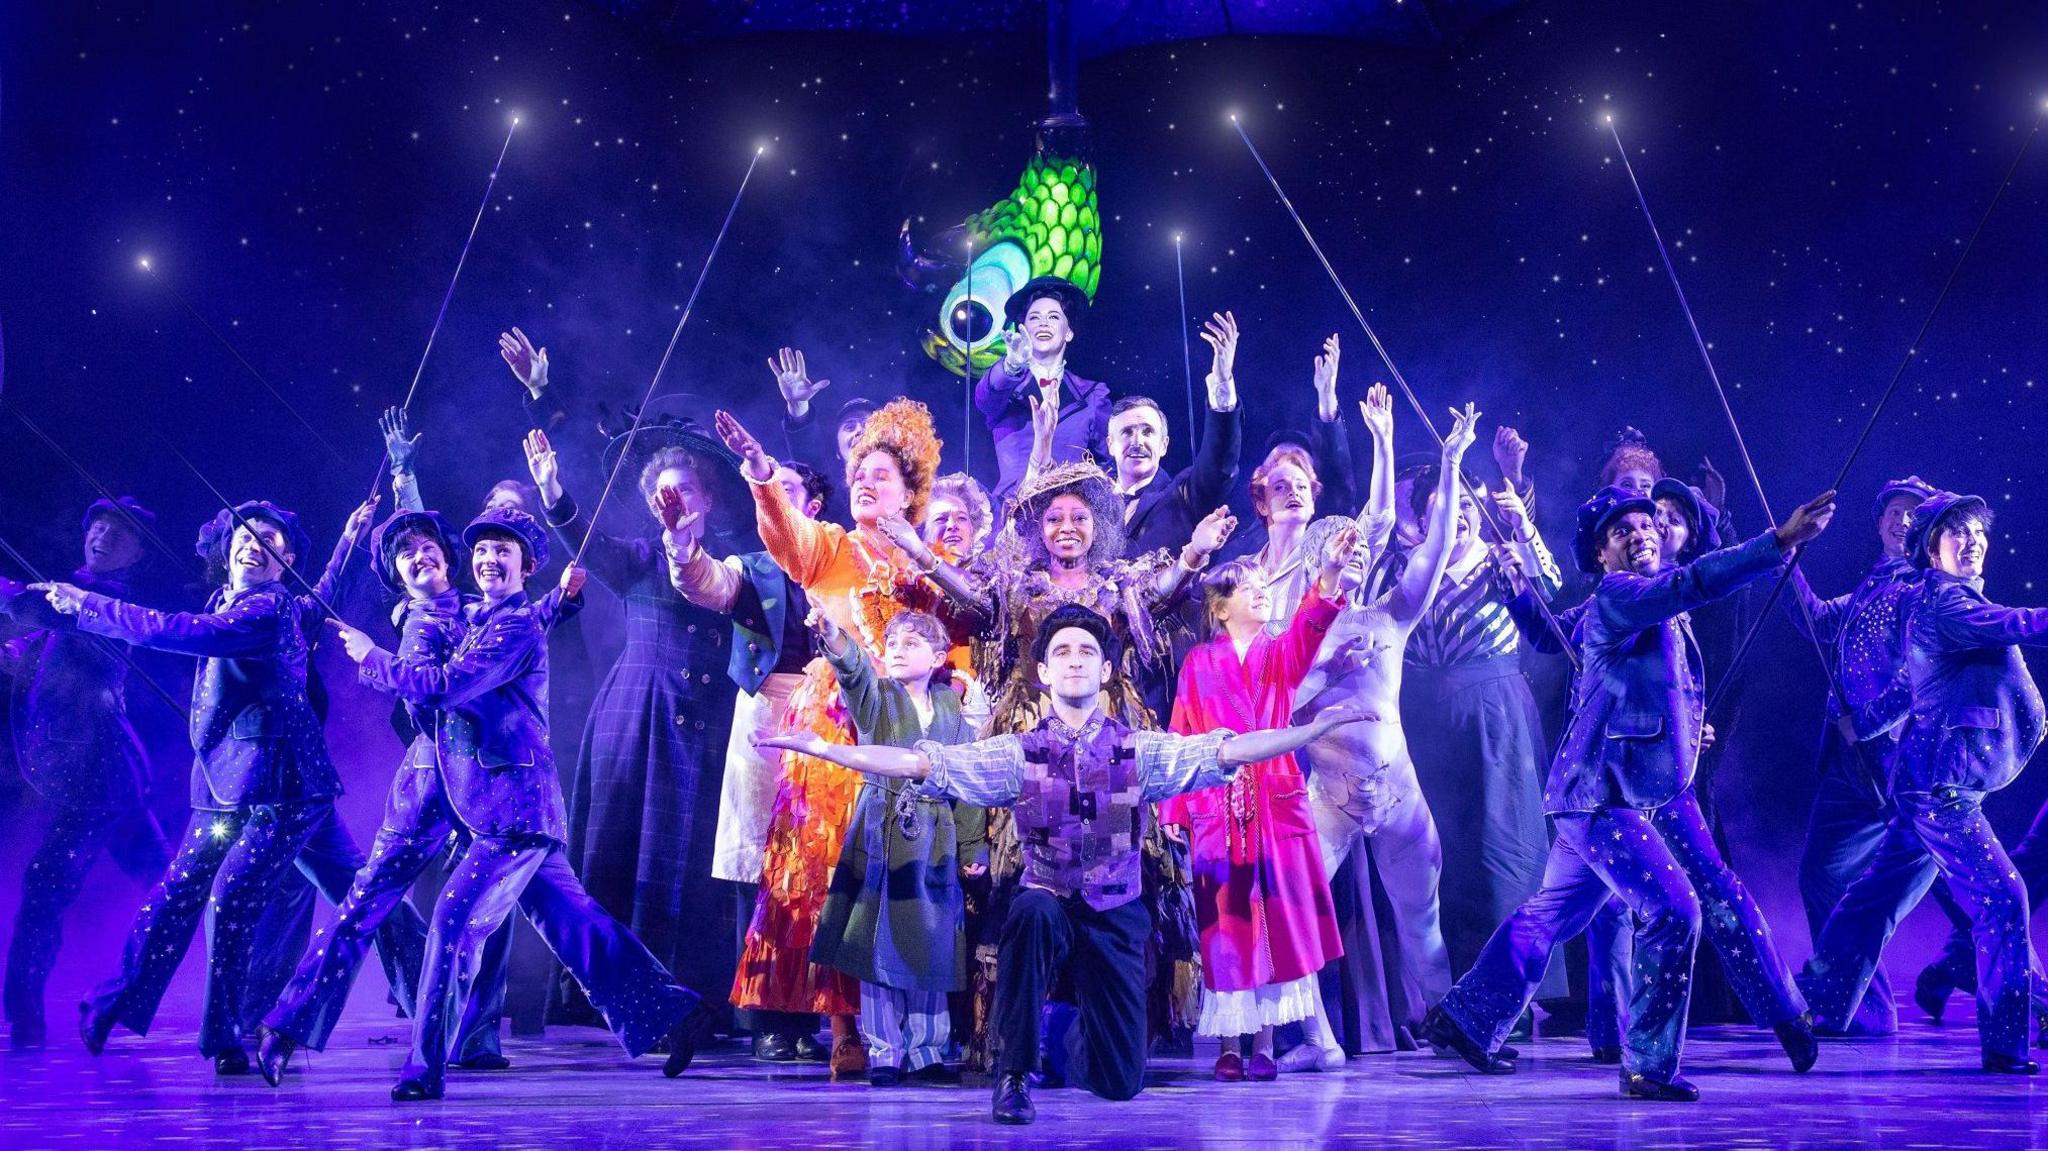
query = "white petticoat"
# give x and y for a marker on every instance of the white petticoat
(1226, 1013)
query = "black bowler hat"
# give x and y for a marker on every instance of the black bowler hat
(1595, 514)
(1073, 301)
(512, 522)
(384, 543)
(858, 407)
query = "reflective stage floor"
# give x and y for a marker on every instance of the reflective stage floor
(574, 1089)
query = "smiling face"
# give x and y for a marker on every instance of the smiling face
(1632, 543)
(947, 521)
(1290, 495)
(422, 565)
(1635, 480)
(1073, 668)
(908, 657)
(111, 544)
(1249, 605)
(253, 558)
(497, 561)
(849, 432)
(1960, 547)
(1137, 440)
(1895, 522)
(1068, 528)
(878, 488)
(683, 482)
(1673, 526)
(1045, 324)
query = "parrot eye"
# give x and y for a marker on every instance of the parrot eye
(972, 313)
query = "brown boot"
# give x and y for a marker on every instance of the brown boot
(849, 1057)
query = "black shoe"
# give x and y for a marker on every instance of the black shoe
(1796, 1037)
(2010, 1065)
(682, 1042)
(1013, 1100)
(1607, 1056)
(884, 1076)
(412, 1089)
(233, 1061)
(1440, 1032)
(774, 1048)
(1678, 1090)
(483, 1061)
(93, 1029)
(937, 1075)
(809, 1050)
(1509, 1052)
(1932, 989)
(273, 1053)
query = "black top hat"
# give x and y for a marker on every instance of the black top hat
(1595, 514)
(384, 543)
(1073, 301)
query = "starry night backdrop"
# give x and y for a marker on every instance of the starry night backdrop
(304, 176)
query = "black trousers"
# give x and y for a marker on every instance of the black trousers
(1103, 954)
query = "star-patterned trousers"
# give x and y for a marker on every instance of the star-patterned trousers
(225, 870)
(1847, 823)
(311, 1004)
(327, 867)
(1942, 832)
(72, 842)
(1731, 921)
(640, 1001)
(1958, 961)
(1608, 853)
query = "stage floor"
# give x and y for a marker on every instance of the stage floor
(573, 1089)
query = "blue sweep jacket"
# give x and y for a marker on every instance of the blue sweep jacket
(1634, 737)
(1976, 715)
(489, 699)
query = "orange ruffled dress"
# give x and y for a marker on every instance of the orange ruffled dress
(860, 582)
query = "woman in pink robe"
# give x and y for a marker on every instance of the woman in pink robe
(1261, 896)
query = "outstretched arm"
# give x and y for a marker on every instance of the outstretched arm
(1209, 537)
(1425, 572)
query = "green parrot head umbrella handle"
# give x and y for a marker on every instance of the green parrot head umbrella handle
(1049, 226)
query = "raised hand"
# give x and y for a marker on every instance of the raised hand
(902, 533)
(1514, 514)
(398, 446)
(543, 467)
(1212, 532)
(1377, 409)
(684, 528)
(1337, 553)
(795, 383)
(753, 461)
(573, 578)
(529, 365)
(1464, 433)
(68, 599)
(1219, 331)
(1807, 521)
(830, 637)
(1326, 379)
(1510, 452)
(1045, 421)
(1016, 348)
(359, 521)
(355, 643)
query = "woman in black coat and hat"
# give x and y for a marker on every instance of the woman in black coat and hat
(643, 805)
